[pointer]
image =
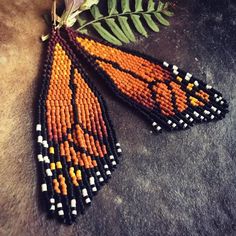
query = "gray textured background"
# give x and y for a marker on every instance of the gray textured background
(181, 183)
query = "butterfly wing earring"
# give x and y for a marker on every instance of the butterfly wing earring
(168, 97)
(77, 146)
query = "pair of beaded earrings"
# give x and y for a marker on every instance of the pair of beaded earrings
(77, 145)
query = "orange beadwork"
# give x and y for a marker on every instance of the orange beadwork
(77, 146)
(142, 67)
(77, 132)
(167, 96)
(133, 74)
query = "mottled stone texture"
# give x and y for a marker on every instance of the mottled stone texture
(181, 183)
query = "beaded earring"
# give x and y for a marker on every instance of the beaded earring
(77, 146)
(168, 97)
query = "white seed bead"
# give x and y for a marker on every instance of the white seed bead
(52, 208)
(59, 205)
(61, 213)
(91, 181)
(45, 143)
(48, 172)
(202, 117)
(187, 116)
(118, 144)
(196, 83)
(191, 119)
(94, 189)
(113, 163)
(112, 157)
(101, 179)
(222, 102)
(40, 157)
(158, 128)
(98, 173)
(165, 64)
(44, 187)
(175, 72)
(181, 121)
(52, 200)
(73, 203)
(213, 108)
(40, 139)
(189, 75)
(87, 200)
(215, 95)
(38, 127)
(74, 212)
(169, 122)
(196, 114)
(84, 192)
(108, 172)
(154, 124)
(175, 67)
(174, 125)
(208, 86)
(218, 112)
(212, 117)
(46, 159)
(119, 150)
(106, 166)
(187, 78)
(206, 112)
(185, 125)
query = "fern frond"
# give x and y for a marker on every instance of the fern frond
(118, 24)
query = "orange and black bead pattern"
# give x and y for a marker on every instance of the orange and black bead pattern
(77, 146)
(169, 97)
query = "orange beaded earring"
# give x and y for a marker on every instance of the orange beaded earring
(168, 97)
(77, 145)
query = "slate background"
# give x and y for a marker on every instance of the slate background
(181, 183)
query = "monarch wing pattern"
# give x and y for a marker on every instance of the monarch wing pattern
(77, 146)
(169, 97)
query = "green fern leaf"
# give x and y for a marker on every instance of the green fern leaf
(111, 5)
(83, 31)
(125, 6)
(116, 30)
(152, 25)
(138, 25)
(167, 13)
(117, 27)
(105, 34)
(161, 19)
(151, 6)
(96, 12)
(123, 20)
(166, 5)
(138, 5)
(160, 6)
